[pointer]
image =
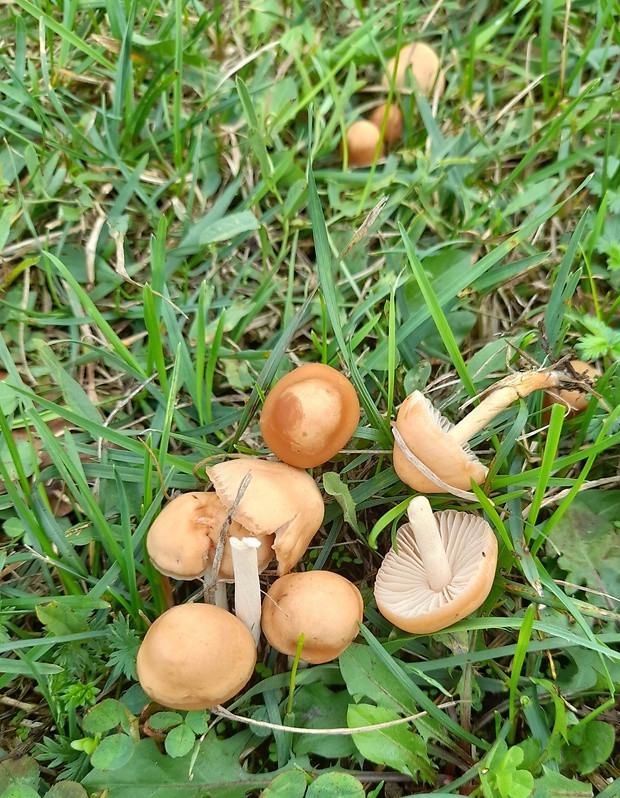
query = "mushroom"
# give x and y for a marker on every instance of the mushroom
(393, 124)
(183, 539)
(323, 606)
(195, 656)
(363, 143)
(443, 569)
(575, 401)
(419, 60)
(309, 415)
(422, 434)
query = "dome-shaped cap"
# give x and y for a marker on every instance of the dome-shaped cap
(323, 606)
(402, 590)
(195, 656)
(279, 500)
(309, 415)
(182, 540)
(422, 61)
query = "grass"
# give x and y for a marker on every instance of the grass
(177, 230)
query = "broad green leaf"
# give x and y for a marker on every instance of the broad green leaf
(67, 789)
(590, 745)
(23, 771)
(318, 707)
(290, 784)
(554, 785)
(367, 677)
(210, 231)
(19, 791)
(61, 619)
(335, 785)
(395, 746)
(113, 752)
(589, 549)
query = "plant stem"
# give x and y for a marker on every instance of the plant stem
(429, 543)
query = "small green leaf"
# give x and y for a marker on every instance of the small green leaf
(104, 716)
(335, 785)
(165, 720)
(67, 789)
(197, 721)
(335, 487)
(554, 785)
(180, 741)
(113, 752)
(290, 784)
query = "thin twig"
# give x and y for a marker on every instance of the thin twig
(224, 713)
(210, 586)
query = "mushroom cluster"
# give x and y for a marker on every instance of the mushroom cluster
(415, 65)
(258, 510)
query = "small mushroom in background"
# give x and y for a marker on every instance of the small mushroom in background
(394, 123)
(574, 401)
(309, 415)
(195, 656)
(323, 606)
(363, 143)
(443, 569)
(423, 434)
(421, 61)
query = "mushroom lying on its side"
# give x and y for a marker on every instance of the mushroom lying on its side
(443, 569)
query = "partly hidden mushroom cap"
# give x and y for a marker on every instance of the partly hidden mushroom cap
(423, 63)
(182, 540)
(309, 415)
(279, 500)
(426, 433)
(323, 606)
(402, 590)
(363, 143)
(394, 123)
(195, 656)
(574, 400)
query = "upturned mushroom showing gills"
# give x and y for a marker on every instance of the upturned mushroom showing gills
(309, 415)
(423, 436)
(323, 606)
(195, 656)
(443, 569)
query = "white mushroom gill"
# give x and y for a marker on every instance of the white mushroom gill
(402, 581)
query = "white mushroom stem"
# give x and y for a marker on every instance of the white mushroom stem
(515, 386)
(247, 584)
(429, 543)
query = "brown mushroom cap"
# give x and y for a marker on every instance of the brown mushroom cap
(575, 401)
(195, 656)
(394, 124)
(309, 415)
(182, 540)
(323, 606)
(425, 431)
(423, 63)
(363, 143)
(402, 589)
(279, 500)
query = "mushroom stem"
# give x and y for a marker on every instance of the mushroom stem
(247, 584)
(429, 543)
(515, 386)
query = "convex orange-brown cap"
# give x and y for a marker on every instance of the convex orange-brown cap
(443, 569)
(421, 61)
(363, 143)
(575, 401)
(279, 500)
(182, 540)
(393, 123)
(195, 656)
(323, 606)
(309, 415)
